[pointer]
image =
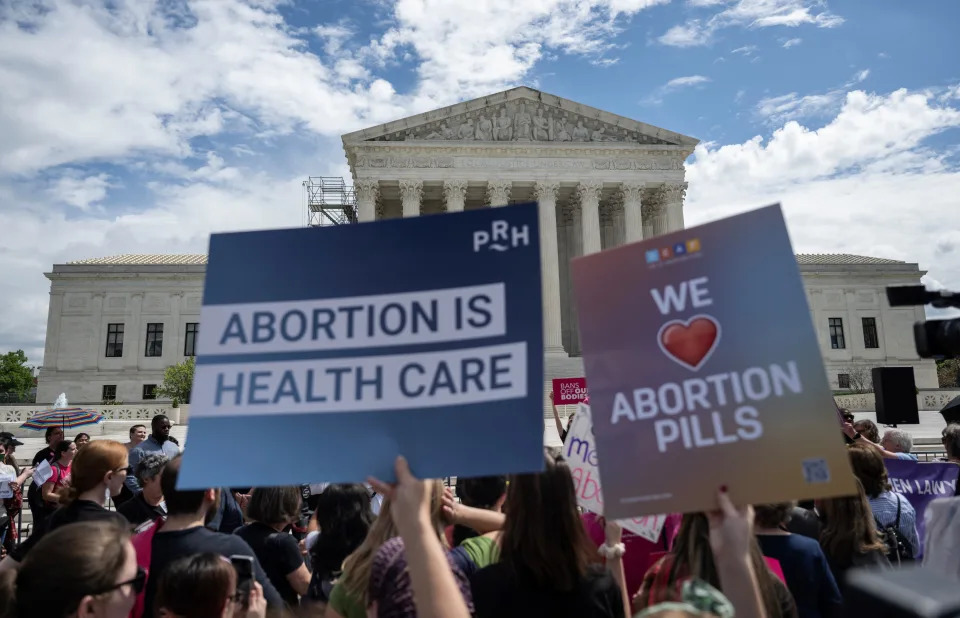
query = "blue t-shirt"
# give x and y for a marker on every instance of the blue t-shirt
(906, 456)
(807, 573)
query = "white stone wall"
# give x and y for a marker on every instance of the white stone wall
(85, 299)
(854, 292)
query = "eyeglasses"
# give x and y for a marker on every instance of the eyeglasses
(124, 470)
(137, 583)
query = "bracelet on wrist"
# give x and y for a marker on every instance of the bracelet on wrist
(612, 551)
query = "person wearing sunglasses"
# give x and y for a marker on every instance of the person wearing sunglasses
(87, 569)
(97, 472)
(205, 586)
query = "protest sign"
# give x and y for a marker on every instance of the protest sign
(922, 483)
(326, 352)
(42, 473)
(704, 367)
(580, 453)
(567, 391)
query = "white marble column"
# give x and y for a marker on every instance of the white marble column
(411, 193)
(673, 201)
(454, 194)
(589, 194)
(575, 250)
(546, 195)
(366, 193)
(619, 225)
(649, 210)
(633, 224)
(498, 192)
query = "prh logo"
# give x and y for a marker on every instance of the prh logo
(501, 237)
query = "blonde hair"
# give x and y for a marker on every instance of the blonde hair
(356, 566)
(90, 465)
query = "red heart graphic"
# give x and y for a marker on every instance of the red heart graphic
(689, 343)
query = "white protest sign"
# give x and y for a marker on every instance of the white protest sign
(579, 450)
(42, 473)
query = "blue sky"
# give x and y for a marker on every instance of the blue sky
(142, 126)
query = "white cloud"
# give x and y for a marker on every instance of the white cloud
(683, 82)
(791, 106)
(746, 50)
(868, 130)
(87, 81)
(133, 84)
(472, 49)
(80, 192)
(792, 42)
(749, 14)
(677, 83)
(774, 110)
(689, 34)
(863, 183)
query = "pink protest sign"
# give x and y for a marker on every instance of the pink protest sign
(569, 391)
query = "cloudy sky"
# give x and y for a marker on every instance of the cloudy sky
(143, 125)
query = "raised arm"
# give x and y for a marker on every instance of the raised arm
(481, 520)
(858, 439)
(613, 550)
(435, 590)
(731, 531)
(556, 416)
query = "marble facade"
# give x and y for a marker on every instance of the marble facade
(601, 180)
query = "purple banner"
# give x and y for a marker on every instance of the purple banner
(921, 483)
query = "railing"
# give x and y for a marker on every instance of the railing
(932, 399)
(124, 412)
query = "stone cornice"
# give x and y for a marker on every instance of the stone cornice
(516, 149)
(492, 102)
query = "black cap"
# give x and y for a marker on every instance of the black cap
(8, 438)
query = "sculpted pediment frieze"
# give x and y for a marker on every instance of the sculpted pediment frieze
(521, 121)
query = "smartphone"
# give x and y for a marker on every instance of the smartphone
(243, 565)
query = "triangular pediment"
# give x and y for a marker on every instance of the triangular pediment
(520, 115)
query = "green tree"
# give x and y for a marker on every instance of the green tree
(177, 382)
(16, 376)
(948, 372)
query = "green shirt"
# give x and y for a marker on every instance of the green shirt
(483, 550)
(346, 604)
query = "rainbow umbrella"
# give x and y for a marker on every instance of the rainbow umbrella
(63, 418)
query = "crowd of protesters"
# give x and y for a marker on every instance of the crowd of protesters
(113, 537)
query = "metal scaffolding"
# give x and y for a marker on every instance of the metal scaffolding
(329, 201)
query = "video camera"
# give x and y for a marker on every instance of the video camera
(934, 338)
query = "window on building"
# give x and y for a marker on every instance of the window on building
(149, 391)
(870, 339)
(190, 342)
(836, 334)
(154, 339)
(114, 340)
(843, 380)
(109, 392)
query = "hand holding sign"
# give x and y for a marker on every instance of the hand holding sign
(702, 364)
(580, 452)
(378, 361)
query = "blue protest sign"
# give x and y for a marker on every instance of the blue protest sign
(324, 353)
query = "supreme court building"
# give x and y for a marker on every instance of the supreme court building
(601, 180)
